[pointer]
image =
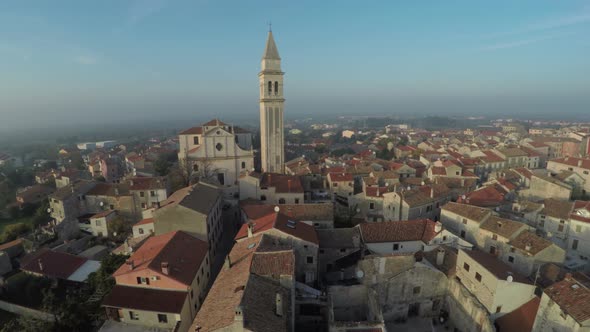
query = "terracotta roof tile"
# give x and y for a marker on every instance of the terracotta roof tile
(398, 231)
(503, 227)
(149, 299)
(281, 222)
(528, 239)
(468, 211)
(573, 296)
(521, 319)
(273, 263)
(55, 264)
(183, 253)
(498, 268)
(340, 177)
(557, 208)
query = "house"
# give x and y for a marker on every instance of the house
(565, 305)
(318, 215)
(254, 291)
(496, 285)
(580, 166)
(542, 186)
(554, 219)
(521, 319)
(99, 223)
(217, 151)
(163, 284)
(403, 236)
(196, 210)
(33, 194)
(143, 227)
(421, 202)
(464, 219)
(527, 253)
(300, 236)
(578, 241)
(495, 230)
(341, 185)
(335, 244)
(272, 188)
(59, 266)
(149, 192)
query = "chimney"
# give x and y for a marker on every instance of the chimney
(279, 305)
(130, 264)
(165, 268)
(440, 256)
(580, 163)
(40, 264)
(250, 229)
(116, 191)
(568, 276)
(356, 241)
(131, 183)
(437, 227)
(227, 263)
(269, 179)
(528, 246)
(431, 192)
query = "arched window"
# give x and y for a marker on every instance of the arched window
(269, 87)
(276, 88)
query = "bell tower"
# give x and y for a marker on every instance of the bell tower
(271, 109)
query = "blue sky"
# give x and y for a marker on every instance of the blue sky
(155, 59)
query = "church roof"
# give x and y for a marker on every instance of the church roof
(271, 51)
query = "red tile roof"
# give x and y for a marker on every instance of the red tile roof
(147, 183)
(398, 231)
(491, 157)
(340, 177)
(522, 319)
(11, 244)
(102, 214)
(183, 253)
(572, 161)
(273, 263)
(145, 221)
(282, 183)
(279, 221)
(55, 264)
(148, 299)
(573, 296)
(498, 268)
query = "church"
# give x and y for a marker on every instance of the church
(219, 152)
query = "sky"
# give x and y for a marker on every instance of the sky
(83, 62)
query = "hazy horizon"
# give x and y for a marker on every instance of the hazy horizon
(181, 62)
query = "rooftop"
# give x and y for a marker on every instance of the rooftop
(503, 227)
(467, 211)
(148, 299)
(573, 296)
(398, 231)
(498, 268)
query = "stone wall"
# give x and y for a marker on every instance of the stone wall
(25, 311)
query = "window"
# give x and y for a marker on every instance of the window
(342, 250)
(243, 164)
(575, 244)
(141, 194)
(322, 251)
(585, 172)
(477, 276)
(133, 315)
(140, 231)
(195, 167)
(335, 184)
(269, 87)
(309, 259)
(560, 228)
(498, 309)
(198, 280)
(196, 140)
(281, 201)
(263, 198)
(143, 206)
(492, 250)
(276, 88)
(162, 318)
(578, 228)
(371, 206)
(416, 290)
(112, 207)
(396, 246)
(494, 237)
(221, 178)
(464, 221)
(463, 234)
(511, 259)
(219, 146)
(152, 193)
(512, 249)
(98, 223)
(466, 267)
(296, 200)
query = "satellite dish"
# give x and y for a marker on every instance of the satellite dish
(509, 278)
(277, 209)
(360, 274)
(463, 197)
(101, 204)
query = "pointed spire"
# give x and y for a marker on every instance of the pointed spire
(271, 51)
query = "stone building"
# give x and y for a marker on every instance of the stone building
(212, 152)
(272, 149)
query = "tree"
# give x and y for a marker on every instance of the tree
(12, 232)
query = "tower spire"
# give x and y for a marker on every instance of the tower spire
(271, 51)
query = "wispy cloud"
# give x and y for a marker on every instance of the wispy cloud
(143, 9)
(518, 43)
(86, 59)
(549, 24)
